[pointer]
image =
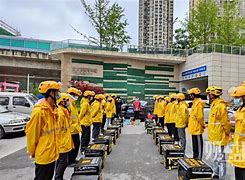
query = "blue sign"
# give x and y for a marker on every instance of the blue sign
(195, 71)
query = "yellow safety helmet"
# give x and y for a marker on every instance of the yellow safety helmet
(92, 93)
(99, 96)
(47, 85)
(168, 99)
(238, 91)
(180, 96)
(172, 95)
(88, 93)
(161, 97)
(209, 88)
(217, 91)
(63, 97)
(74, 90)
(194, 91)
(113, 95)
(155, 96)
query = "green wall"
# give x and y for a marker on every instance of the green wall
(127, 81)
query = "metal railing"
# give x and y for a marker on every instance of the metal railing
(134, 49)
(32, 45)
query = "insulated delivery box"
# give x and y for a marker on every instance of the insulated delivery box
(155, 128)
(96, 150)
(157, 133)
(190, 168)
(88, 166)
(171, 154)
(106, 140)
(86, 177)
(112, 133)
(117, 128)
(164, 139)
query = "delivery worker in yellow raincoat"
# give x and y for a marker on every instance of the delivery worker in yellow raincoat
(155, 108)
(237, 156)
(109, 111)
(219, 131)
(97, 115)
(170, 116)
(161, 108)
(114, 96)
(64, 138)
(196, 123)
(181, 120)
(85, 119)
(75, 123)
(41, 131)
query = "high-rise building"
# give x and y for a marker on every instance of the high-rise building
(156, 23)
(193, 4)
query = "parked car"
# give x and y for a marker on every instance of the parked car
(11, 122)
(18, 102)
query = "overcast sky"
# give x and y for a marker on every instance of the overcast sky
(51, 19)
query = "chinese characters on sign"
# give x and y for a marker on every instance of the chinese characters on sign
(87, 70)
(195, 73)
(83, 71)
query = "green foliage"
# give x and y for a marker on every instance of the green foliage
(108, 22)
(231, 24)
(203, 22)
(182, 39)
(115, 33)
(206, 25)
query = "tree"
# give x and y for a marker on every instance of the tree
(115, 33)
(182, 40)
(231, 25)
(202, 24)
(108, 23)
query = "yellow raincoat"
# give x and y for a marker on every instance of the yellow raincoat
(109, 109)
(182, 115)
(170, 113)
(161, 108)
(65, 139)
(85, 116)
(219, 125)
(237, 156)
(114, 106)
(75, 124)
(196, 123)
(42, 133)
(167, 113)
(96, 112)
(155, 111)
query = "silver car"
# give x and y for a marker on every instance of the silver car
(12, 122)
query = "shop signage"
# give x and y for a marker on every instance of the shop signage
(195, 73)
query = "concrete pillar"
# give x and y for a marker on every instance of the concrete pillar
(66, 71)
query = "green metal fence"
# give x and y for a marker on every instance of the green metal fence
(16, 43)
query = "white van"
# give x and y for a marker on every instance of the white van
(18, 102)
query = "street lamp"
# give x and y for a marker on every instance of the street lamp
(28, 83)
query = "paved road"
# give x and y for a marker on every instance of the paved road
(134, 157)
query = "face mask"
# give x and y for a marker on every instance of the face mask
(237, 101)
(208, 100)
(67, 104)
(57, 96)
(75, 98)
